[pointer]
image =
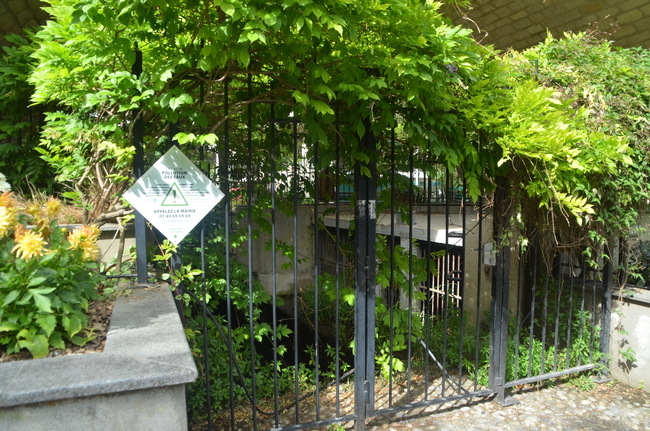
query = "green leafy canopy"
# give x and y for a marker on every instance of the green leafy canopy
(379, 64)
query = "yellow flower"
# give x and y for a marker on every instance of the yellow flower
(52, 208)
(7, 220)
(85, 238)
(33, 209)
(7, 200)
(29, 244)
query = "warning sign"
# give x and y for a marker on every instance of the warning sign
(174, 198)
(174, 195)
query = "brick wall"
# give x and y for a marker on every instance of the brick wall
(18, 14)
(523, 23)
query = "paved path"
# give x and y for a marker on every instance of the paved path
(609, 406)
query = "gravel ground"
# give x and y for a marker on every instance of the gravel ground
(609, 406)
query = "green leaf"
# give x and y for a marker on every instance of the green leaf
(37, 345)
(9, 326)
(71, 324)
(183, 99)
(43, 303)
(47, 324)
(11, 297)
(300, 97)
(321, 107)
(35, 281)
(242, 55)
(79, 341)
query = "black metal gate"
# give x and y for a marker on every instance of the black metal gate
(335, 291)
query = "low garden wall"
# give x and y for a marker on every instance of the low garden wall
(136, 383)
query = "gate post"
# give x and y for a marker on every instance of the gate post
(364, 317)
(500, 297)
(137, 138)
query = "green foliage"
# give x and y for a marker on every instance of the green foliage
(44, 288)
(549, 143)
(379, 64)
(610, 88)
(19, 123)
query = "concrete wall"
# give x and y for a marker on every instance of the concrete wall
(478, 279)
(109, 242)
(478, 285)
(262, 257)
(631, 329)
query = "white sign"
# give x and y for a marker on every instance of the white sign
(174, 195)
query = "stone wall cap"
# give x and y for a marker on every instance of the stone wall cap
(145, 348)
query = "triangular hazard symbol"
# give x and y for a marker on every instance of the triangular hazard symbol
(174, 198)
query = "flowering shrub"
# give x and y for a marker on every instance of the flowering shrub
(47, 276)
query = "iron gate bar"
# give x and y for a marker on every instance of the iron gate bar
(436, 401)
(365, 234)
(544, 322)
(520, 287)
(445, 304)
(442, 368)
(570, 323)
(294, 182)
(249, 209)
(461, 283)
(337, 267)
(316, 274)
(606, 310)
(582, 302)
(428, 286)
(137, 139)
(593, 316)
(411, 220)
(274, 284)
(499, 324)
(557, 313)
(315, 424)
(226, 181)
(532, 317)
(551, 375)
(480, 249)
(391, 294)
(204, 302)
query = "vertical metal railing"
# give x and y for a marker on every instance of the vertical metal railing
(296, 345)
(392, 293)
(365, 237)
(249, 213)
(225, 167)
(410, 304)
(274, 263)
(337, 265)
(526, 302)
